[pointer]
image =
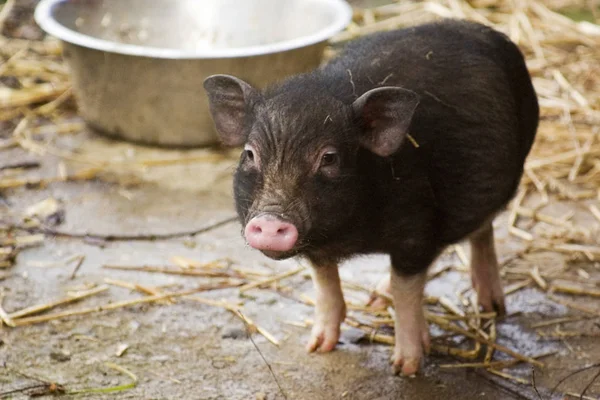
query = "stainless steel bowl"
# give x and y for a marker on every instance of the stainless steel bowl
(137, 66)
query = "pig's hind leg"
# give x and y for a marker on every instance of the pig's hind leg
(484, 270)
(330, 309)
(410, 327)
(381, 297)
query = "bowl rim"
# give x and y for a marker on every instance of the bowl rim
(44, 17)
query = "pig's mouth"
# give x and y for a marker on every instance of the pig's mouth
(278, 255)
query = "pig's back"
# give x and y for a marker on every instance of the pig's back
(476, 120)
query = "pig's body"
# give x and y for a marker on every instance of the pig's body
(414, 173)
(474, 126)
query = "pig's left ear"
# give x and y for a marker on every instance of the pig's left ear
(385, 114)
(230, 101)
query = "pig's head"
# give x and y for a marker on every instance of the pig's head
(299, 182)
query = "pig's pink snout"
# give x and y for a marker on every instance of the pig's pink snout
(267, 232)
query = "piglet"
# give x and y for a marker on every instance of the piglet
(407, 142)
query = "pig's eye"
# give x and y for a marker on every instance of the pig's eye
(250, 157)
(329, 159)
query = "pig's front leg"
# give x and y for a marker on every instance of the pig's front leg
(411, 330)
(330, 309)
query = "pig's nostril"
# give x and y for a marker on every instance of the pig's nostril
(255, 228)
(282, 231)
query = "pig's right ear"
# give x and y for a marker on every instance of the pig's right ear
(385, 114)
(230, 100)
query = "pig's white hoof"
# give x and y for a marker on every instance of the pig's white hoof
(326, 331)
(378, 302)
(408, 367)
(409, 352)
(324, 338)
(406, 364)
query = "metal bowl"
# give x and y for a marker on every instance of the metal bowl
(137, 66)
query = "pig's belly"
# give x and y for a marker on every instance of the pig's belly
(466, 214)
(474, 187)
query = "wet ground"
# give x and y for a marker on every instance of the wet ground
(194, 351)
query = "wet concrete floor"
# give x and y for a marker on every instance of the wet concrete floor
(194, 351)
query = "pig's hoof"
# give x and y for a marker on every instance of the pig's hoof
(494, 304)
(323, 338)
(406, 364)
(408, 367)
(490, 298)
(409, 350)
(378, 302)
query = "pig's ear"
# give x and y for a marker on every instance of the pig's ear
(230, 100)
(385, 114)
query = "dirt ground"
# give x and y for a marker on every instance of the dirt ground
(189, 350)
(194, 351)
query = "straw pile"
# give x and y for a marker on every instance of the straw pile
(562, 173)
